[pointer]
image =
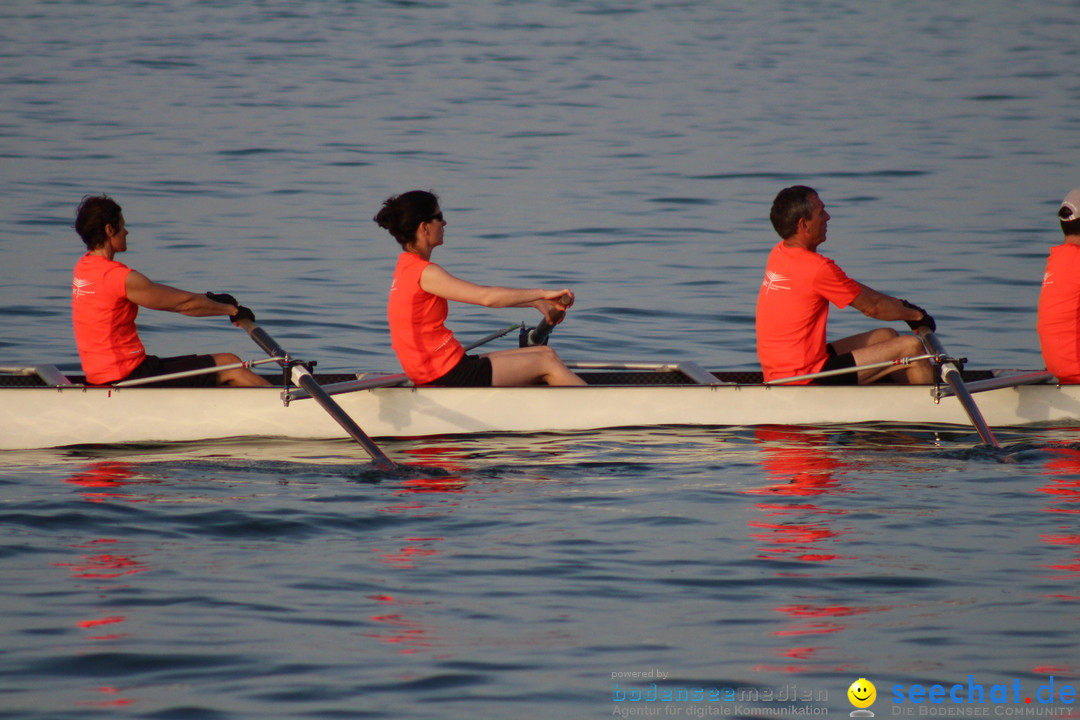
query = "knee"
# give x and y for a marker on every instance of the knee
(552, 359)
(909, 345)
(883, 334)
(545, 353)
(914, 342)
(226, 359)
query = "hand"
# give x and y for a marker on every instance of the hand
(223, 298)
(242, 313)
(553, 305)
(562, 299)
(553, 314)
(924, 322)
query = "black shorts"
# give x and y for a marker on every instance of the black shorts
(153, 365)
(471, 371)
(837, 362)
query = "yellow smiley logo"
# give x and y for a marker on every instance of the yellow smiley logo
(862, 693)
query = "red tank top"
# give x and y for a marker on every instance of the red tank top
(426, 349)
(1059, 313)
(104, 320)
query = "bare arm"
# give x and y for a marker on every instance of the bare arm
(883, 307)
(144, 292)
(438, 281)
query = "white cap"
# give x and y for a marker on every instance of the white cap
(1070, 207)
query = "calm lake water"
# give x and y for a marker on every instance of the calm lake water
(631, 151)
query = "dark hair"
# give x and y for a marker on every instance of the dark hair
(402, 214)
(94, 214)
(789, 207)
(1069, 227)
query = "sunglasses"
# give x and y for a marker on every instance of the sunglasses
(436, 216)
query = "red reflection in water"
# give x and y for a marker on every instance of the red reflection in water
(1062, 486)
(818, 619)
(112, 702)
(800, 468)
(422, 497)
(446, 477)
(807, 621)
(104, 566)
(405, 557)
(408, 635)
(105, 569)
(109, 475)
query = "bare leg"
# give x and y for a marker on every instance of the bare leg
(882, 345)
(237, 377)
(530, 366)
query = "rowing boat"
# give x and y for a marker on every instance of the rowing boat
(40, 407)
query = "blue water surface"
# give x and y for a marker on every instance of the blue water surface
(629, 151)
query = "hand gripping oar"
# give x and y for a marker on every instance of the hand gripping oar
(303, 377)
(539, 334)
(951, 375)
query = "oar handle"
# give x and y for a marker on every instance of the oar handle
(539, 334)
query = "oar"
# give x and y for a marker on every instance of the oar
(951, 375)
(539, 334)
(488, 338)
(303, 377)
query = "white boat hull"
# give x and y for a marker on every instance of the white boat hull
(41, 417)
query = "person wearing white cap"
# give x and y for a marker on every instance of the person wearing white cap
(1059, 300)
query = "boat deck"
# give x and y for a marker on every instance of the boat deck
(664, 375)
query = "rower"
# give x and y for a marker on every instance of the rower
(793, 307)
(1059, 299)
(105, 299)
(417, 309)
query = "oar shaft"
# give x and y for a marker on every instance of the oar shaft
(262, 339)
(951, 375)
(488, 338)
(305, 380)
(303, 377)
(539, 334)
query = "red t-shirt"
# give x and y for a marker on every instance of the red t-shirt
(1059, 313)
(426, 349)
(793, 310)
(104, 320)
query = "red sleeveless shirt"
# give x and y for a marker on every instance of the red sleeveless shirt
(104, 320)
(426, 349)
